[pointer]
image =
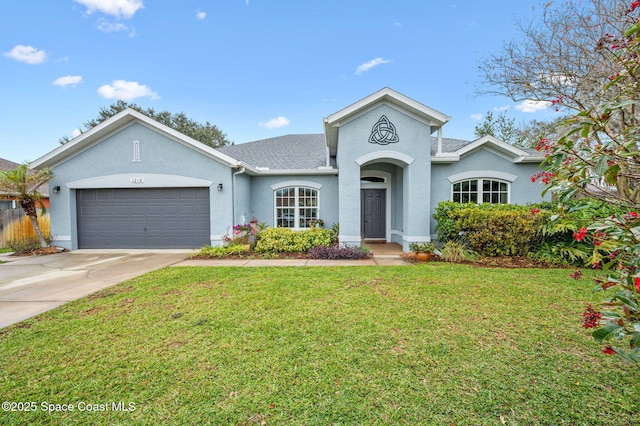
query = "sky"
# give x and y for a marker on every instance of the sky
(254, 68)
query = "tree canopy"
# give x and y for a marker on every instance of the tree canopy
(206, 133)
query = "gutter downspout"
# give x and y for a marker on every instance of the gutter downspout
(233, 193)
(440, 140)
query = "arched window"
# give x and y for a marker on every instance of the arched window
(296, 207)
(492, 191)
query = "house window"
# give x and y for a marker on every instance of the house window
(296, 207)
(481, 191)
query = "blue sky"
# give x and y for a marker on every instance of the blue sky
(254, 68)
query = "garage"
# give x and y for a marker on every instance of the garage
(144, 218)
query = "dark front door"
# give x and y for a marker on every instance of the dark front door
(373, 206)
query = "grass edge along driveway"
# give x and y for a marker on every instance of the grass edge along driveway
(431, 344)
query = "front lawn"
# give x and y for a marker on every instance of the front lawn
(430, 344)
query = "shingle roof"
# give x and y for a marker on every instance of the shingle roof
(7, 165)
(308, 151)
(290, 152)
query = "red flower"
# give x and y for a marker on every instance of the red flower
(579, 236)
(591, 317)
(576, 275)
(608, 350)
(634, 6)
(637, 281)
(534, 211)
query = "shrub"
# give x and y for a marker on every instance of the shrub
(280, 240)
(220, 252)
(337, 252)
(24, 245)
(454, 251)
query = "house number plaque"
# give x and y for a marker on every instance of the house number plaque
(137, 180)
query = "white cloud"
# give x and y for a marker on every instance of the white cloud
(200, 15)
(501, 108)
(477, 117)
(118, 8)
(371, 64)
(111, 27)
(69, 80)
(532, 106)
(28, 54)
(126, 91)
(275, 123)
(75, 133)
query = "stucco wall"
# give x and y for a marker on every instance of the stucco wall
(482, 163)
(159, 155)
(262, 200)
(411, 175)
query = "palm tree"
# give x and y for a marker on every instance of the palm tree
(23, 183)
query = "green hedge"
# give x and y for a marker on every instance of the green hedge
(489, 229)
(278, 240)
(543, 230)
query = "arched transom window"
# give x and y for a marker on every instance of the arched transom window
(493, 191)
(296, 207)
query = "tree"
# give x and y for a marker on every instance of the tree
(206, 133)
(23, 184)
(500, 127)
(555, 59)
(596, 152)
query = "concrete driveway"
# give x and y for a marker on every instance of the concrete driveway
(32, 285)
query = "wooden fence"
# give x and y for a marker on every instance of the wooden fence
(15, 225)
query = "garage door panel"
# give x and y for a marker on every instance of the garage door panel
(143, 218)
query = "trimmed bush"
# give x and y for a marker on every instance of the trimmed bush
(336, 252)
(280, 240)
(220, 252)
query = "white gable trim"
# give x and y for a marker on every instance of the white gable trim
(288, 183)
(117, 123)
(384, 155)
(139, 180)
(436, 118)
(479, 174)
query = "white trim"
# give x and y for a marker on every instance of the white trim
(480, 174)
(62, 238)
(297, 185)
(480, 192)
(395, 97)
(138, 180)
(288, 183)
(386, 185)
(384, 155)
(416, 238)
(136, 152)
(117, 123)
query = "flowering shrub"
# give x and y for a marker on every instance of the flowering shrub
(596, 154)
(337, 252)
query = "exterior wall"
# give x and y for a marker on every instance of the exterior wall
(262, 200)
(109, 163)
(482, 163)
(411, 154)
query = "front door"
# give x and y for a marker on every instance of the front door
(373, 206)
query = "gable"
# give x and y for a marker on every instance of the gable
(114, 125)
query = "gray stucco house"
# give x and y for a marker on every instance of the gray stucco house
(379, 170)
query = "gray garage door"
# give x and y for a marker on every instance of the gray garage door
(143, 218)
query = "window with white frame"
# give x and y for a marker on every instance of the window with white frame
(296, 207)
(492, 191)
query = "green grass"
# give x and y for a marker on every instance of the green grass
(430, 344)
(5, 250)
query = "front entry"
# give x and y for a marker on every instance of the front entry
(373, 206)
